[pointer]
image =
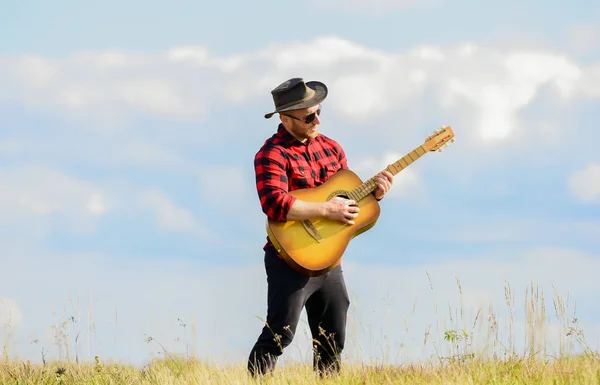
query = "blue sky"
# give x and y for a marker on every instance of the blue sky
(127, 133)
(227, 27)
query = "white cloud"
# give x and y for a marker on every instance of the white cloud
(531, 69)
(97, 205)
(482, 87)
(199, 55)
(508, 83)
(585, 183)
(152, 95)
(104, 84)
(31, 192)
(360, 105)
(169, 216)
(41, 191)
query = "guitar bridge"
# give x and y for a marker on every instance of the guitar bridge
(312, 230)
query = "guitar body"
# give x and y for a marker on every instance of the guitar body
(313, 247)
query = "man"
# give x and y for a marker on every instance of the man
(298, 156)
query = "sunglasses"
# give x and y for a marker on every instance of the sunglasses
(308, 119)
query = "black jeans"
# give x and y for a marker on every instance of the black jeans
(326, 300)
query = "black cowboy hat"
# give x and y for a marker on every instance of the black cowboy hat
(295, 94)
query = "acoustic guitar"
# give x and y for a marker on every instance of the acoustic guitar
(315, 246)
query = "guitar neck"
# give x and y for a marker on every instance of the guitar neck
(370, 185)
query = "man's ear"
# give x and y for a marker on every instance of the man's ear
(284, 119)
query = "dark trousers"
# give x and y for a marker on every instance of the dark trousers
(326, 300)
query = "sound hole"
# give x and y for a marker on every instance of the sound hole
(339, 193)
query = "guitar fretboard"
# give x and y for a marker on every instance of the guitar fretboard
(370, 185)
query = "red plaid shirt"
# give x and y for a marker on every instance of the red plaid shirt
(285, 164)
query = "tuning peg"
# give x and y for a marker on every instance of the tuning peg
(440, 150)
(447, 145)
(452, 140)
(436, 131)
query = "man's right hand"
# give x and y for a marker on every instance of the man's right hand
(341, 209)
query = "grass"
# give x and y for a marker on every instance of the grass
(569, 370)
(481, 354)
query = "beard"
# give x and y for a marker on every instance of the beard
(302, 132)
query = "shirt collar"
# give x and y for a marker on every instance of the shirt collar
(289, 139)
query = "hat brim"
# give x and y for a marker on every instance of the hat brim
(320, 95)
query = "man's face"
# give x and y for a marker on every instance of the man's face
(294, 121)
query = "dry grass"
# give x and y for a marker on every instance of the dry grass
(573, 370)
(462, 361)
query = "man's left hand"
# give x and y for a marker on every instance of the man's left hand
(384, 182)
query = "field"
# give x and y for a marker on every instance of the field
(579, 370)
(470, 356)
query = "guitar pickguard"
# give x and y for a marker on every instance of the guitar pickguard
(312, 230)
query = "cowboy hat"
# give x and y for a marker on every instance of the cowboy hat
(295, 94)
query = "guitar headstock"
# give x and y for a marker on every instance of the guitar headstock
(439, 138)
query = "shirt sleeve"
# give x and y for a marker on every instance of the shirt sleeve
(272, 184)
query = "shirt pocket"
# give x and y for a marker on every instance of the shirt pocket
(300, 177)
(326, 170)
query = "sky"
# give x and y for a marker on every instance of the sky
(128, 208)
